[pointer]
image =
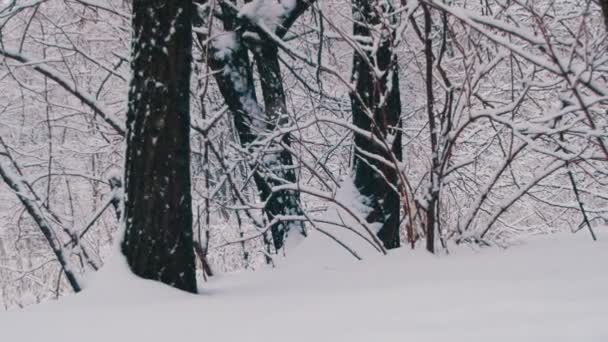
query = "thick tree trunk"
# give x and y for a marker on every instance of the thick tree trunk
(158, 241)
(375, 180)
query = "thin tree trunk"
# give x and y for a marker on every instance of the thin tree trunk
(432, 217)
(22, 190)
(604, 4)
(233, 70)
(375, 180)
(158, 241)
(279, 163)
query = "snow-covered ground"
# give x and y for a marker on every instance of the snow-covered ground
(553, 288)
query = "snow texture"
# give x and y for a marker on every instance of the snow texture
(552, 289)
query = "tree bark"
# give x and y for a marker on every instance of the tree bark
(375, 180)
(233, 70)
(604, 4)
(158, 241)
(279, 163)
(432, 211)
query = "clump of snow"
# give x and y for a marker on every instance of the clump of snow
(270, 13)
(349, 195)
(114, 173)
(224, 45)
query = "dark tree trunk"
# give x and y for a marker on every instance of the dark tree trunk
(278, 163)
(233, 70)
(158, 241)
(432, 213)
(604, 4)
(375, 180)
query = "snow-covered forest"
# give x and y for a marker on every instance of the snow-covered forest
(204, 137)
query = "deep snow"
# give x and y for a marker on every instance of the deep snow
(553, 288)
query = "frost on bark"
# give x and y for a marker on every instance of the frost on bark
(376, 108)
(233, 70)
(158, 241)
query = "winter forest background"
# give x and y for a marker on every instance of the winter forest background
(420, 124)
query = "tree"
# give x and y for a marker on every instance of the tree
(229, 58)
(376, 108)
(158, 241)
(604, 4)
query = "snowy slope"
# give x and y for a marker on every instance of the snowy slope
(552, 289)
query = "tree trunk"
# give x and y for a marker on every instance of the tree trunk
(158, 241)
(375, 180)
(604, 4)
(432, 213)
(233, 70)
(279, 163)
